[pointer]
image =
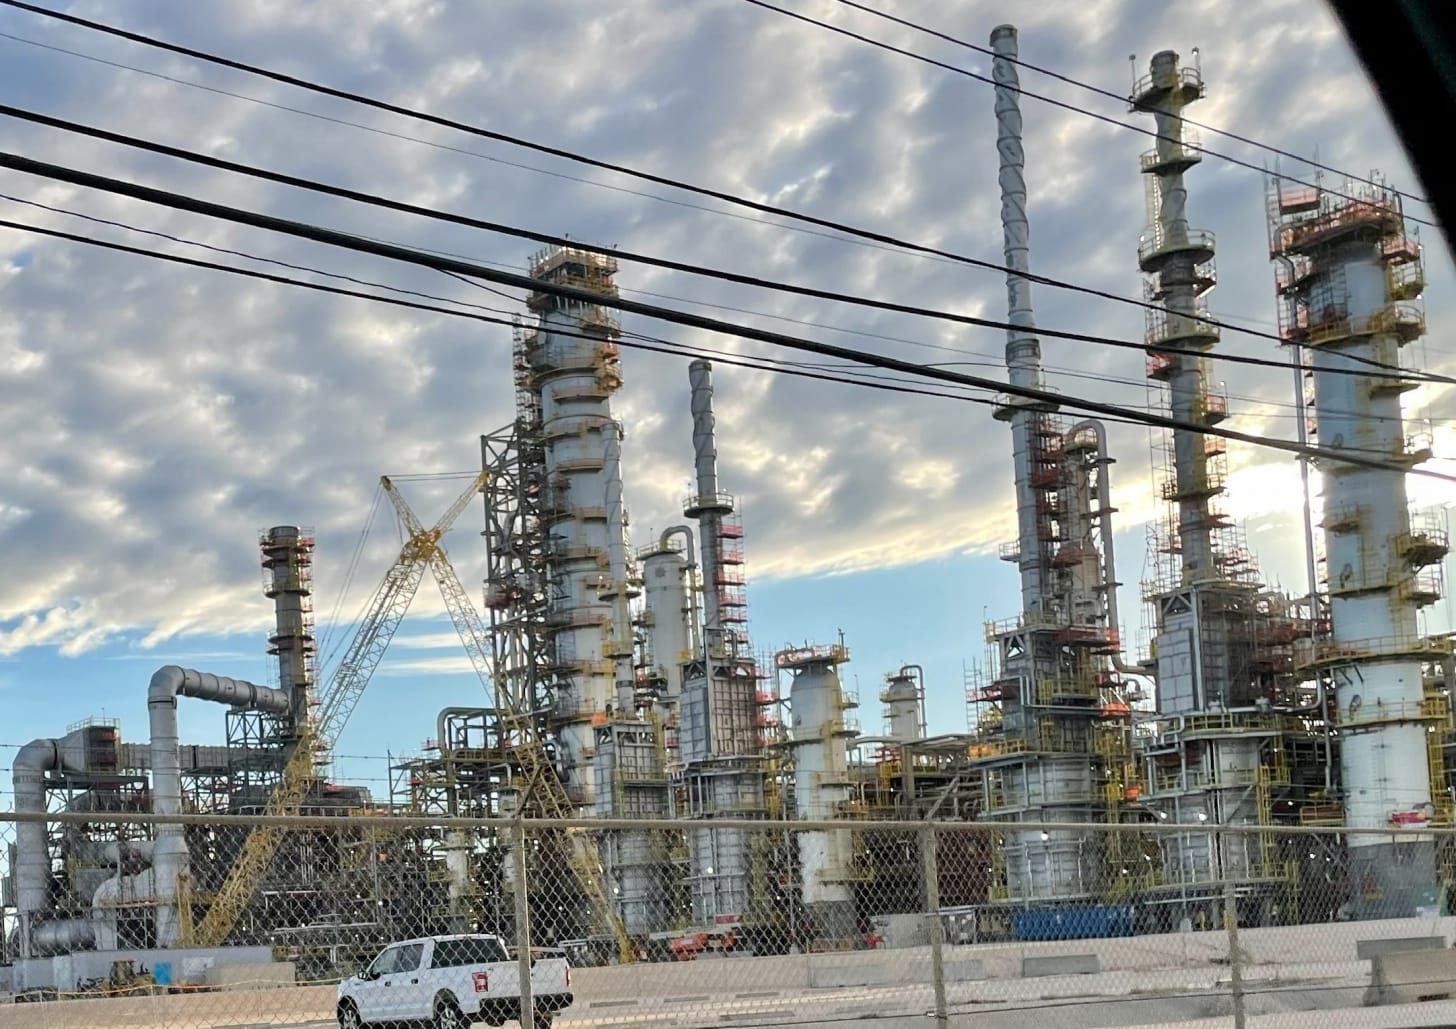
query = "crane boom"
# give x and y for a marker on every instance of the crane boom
(257, 852)
(390, 604)
(387, 609)
(541, 787)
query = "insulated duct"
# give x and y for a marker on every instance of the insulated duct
(32, 858)
(169, 855)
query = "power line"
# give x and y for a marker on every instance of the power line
(319, 234)
(708, 351)
(1289, 409)
(462, 151)
(990, 360)
(661, 180)
(669, 348)
(549, 239)
(1109, 94)
(1063, 104)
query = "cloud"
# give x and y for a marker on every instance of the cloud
(156, 418)
(426, 666)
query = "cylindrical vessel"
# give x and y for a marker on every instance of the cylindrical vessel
(575, 422)
(902, 708)
(664, 576)
(821, 791)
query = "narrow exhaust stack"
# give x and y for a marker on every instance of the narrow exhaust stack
(1023, 351)
(709, 506)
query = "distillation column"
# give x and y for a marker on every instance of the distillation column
(904, 700)
(288, 564)
(1178, 263)
(718, 736)
(822, 786)
(1349, 279)
(1216, 758)
(574, 370)
(670, 619)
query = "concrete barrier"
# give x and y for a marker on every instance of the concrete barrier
(1416, 975)
(1060, 964)
(852, 973)
(964, 970)
(1367, 949)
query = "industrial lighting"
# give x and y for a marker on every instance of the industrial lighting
(1045, 837)
(1202, 817)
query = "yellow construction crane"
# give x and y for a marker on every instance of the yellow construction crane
(386, 610)
(541, 788)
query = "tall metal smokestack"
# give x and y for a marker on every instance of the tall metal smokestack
(1023, 351)
(709, 506)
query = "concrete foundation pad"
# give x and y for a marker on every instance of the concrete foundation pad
(1061, 964)
(1367, 949)
(1418, 975)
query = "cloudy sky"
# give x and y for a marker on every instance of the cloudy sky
(154, 418)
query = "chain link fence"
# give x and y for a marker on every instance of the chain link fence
(141, 920)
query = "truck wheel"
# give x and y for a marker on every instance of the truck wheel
(448, 1015)
(349, 1016)
(544, 1019)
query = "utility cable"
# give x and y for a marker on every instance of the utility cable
(989, 362)
(1283, 409)
(462, 151)
(652, 261)
(1109, 94)
(670, 349)
(1235, 322)
(318, 234)
(568, 155)
(705, 351)
(1053, 101)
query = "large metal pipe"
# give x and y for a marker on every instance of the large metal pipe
(1023, 351)
(169, 853)
(622, 648)
(32, 858)
(1104, 521)
(690, 555)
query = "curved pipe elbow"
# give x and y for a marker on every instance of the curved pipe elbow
(171, 681)
(686, 532)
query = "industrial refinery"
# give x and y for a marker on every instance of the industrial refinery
(621, 681)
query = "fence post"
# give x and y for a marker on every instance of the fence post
(1236, 959)
(931, 873)
(523, 926)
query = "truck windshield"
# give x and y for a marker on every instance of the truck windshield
(477, 950)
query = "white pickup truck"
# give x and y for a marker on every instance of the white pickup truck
(449, 982)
